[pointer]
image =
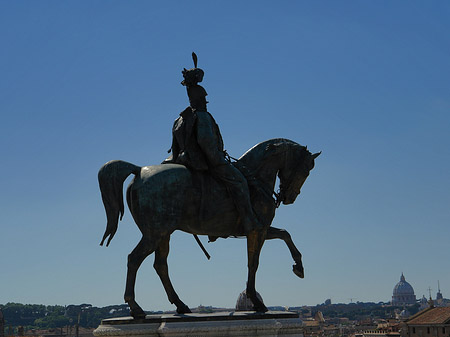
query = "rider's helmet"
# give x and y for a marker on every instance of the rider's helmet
(194, 75)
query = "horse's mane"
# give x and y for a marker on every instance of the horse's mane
(253, 158)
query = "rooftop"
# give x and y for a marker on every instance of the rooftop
(439, 315)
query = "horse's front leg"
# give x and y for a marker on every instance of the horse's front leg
(162, 269)
(276, 233)
(143, 249)
(255, 241)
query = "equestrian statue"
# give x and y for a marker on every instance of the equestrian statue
(201, 190)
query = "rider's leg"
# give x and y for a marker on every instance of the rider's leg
(237, 186)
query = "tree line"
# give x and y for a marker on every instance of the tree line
(361, 310)
(38, 316)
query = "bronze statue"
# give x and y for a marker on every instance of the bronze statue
(198, 145)
(198, 191)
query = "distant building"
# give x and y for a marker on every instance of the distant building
(433, 321)
(423, 303)
(403, 293)
(244, 303)
(314, 326)
(440, 301)
(403, 315)
(439, 296)
(385, 329)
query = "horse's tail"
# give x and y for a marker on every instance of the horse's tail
(110, 178)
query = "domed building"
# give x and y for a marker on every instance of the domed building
(244, 303)
(403, 293)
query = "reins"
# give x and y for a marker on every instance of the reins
(277, 197)
(228, 157)
(277, 200)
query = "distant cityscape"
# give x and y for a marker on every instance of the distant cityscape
(403, 316)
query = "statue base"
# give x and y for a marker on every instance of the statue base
(223, 324)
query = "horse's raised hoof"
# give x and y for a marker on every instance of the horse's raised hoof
(298, 270)
(183, 309)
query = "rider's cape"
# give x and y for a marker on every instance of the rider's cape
(196, 141)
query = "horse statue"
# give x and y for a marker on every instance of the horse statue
(168, 197)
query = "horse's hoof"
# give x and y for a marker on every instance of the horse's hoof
(260, 308)
(298, 270)
(183, 309)
(137, 313)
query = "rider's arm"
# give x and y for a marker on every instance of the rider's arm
(208, 139)
(175, 148)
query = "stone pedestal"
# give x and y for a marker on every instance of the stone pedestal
(242, 324)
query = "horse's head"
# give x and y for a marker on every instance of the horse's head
(283, 157)
(299, 161)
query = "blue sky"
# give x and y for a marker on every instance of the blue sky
(367, 83)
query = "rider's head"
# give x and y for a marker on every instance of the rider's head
(192, 76)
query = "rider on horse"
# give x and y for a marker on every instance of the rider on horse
(197, 144)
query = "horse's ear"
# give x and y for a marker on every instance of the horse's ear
(315, 155)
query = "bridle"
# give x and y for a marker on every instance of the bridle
(279, 196)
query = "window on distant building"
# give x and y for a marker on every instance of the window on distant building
(414, 330)
(428, 330)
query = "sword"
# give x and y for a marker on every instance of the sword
(201, 246)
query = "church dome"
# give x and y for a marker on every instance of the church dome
(244, 303)
(403, 287)
(403, 293)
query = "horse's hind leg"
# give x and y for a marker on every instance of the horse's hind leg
(144, 248)
(255, 241)
(162, 269)
(276, 233)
